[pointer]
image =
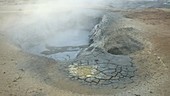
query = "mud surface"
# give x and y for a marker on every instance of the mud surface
(106, 69)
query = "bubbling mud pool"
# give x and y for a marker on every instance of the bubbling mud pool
(59, 39)
(65, 36)
(82, 41)
(60, 36)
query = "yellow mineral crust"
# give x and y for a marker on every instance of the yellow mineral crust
(82, 71)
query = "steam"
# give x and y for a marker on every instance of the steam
(58, 23)
(51, 17)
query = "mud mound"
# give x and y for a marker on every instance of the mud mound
(116, 39)
(95, 66)
(123, 43)
(99, 68)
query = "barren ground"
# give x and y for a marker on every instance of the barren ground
(157, 22)
(154, 60)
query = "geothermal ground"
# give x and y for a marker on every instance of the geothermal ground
(104, 50)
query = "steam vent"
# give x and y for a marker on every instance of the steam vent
(84, 47)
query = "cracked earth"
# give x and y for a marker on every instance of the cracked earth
(103, 70)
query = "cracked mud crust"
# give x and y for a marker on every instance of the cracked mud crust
(95, 66)
(100, 68)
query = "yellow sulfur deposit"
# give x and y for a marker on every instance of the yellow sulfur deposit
(82, 71)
